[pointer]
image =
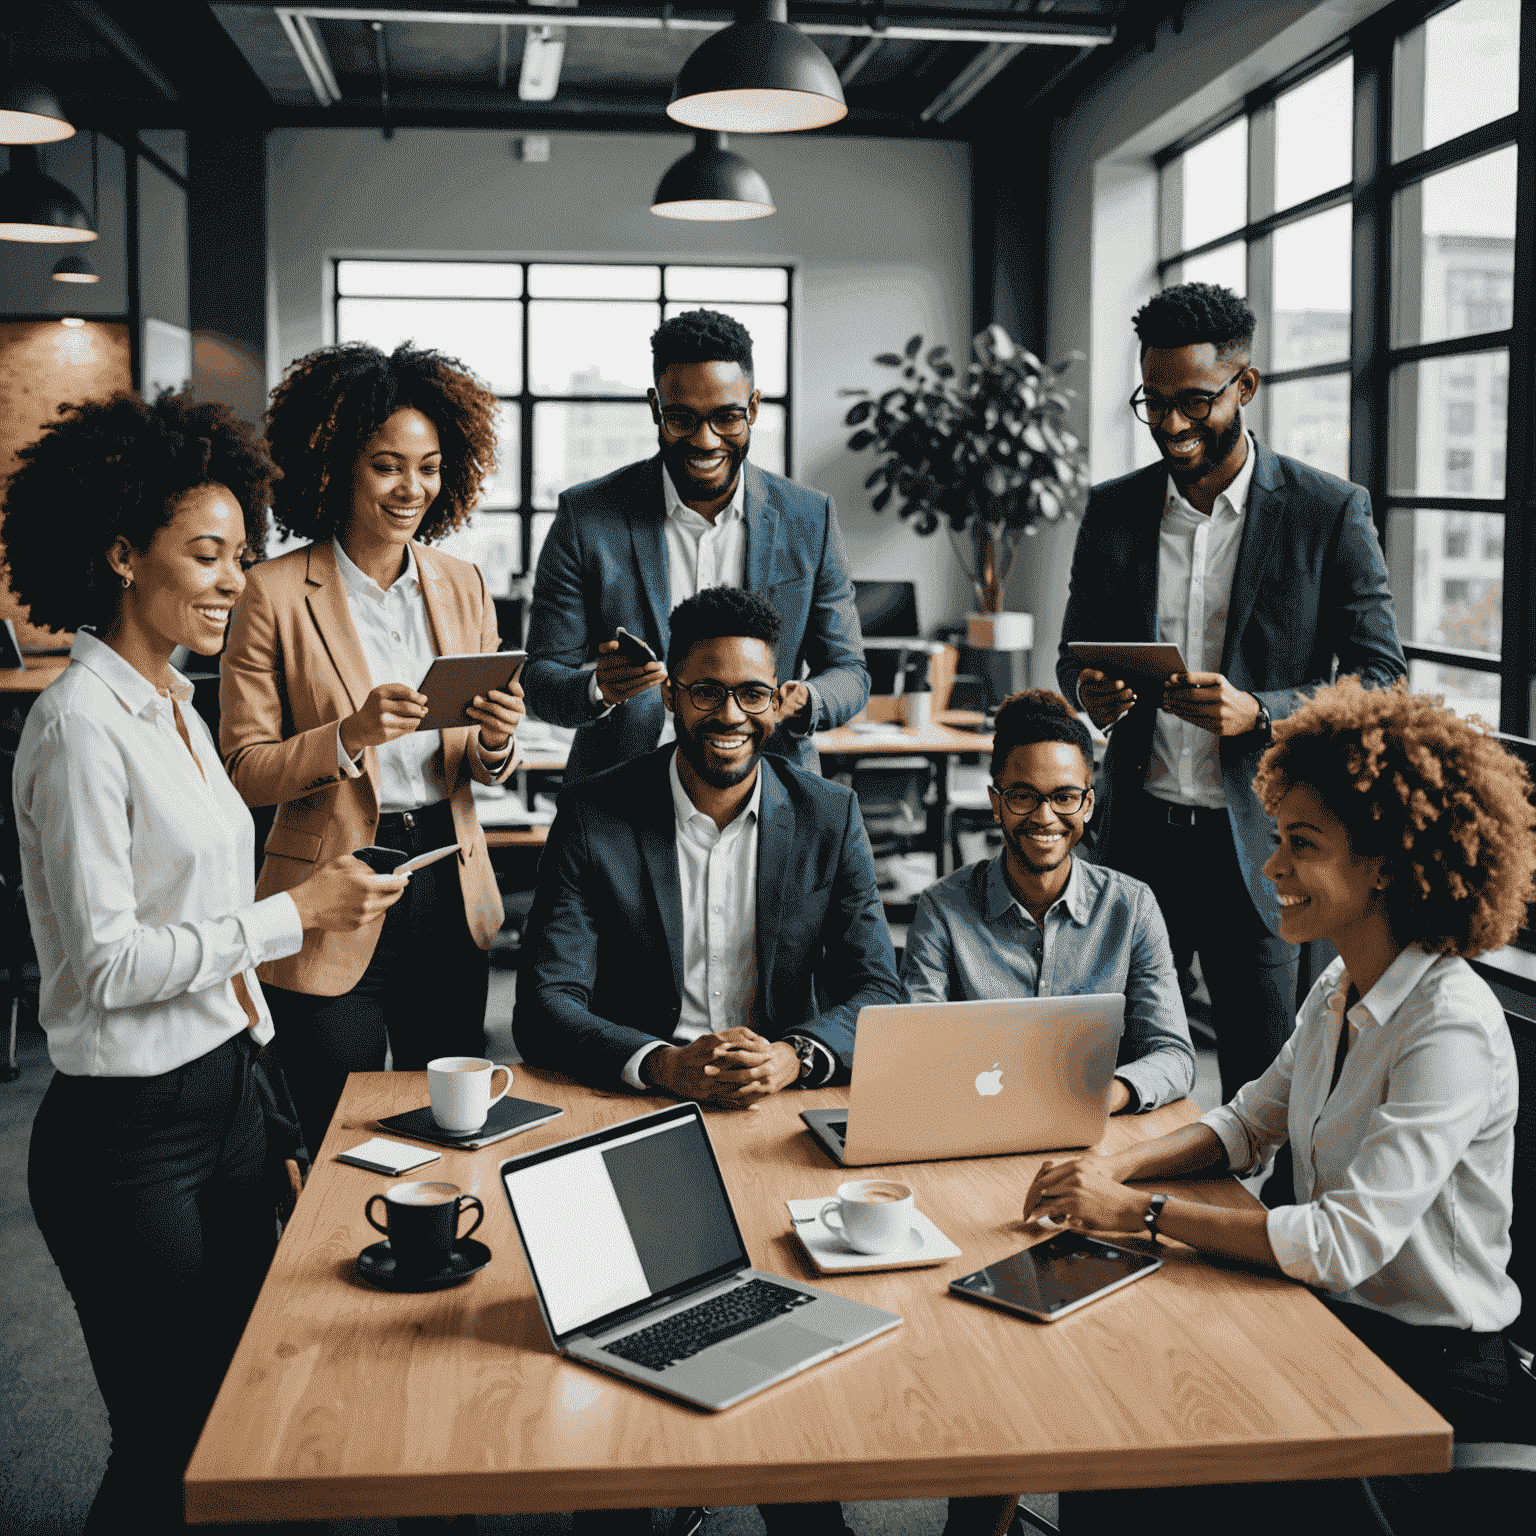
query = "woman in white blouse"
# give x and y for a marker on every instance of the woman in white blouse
(1404, 836)
(149, 1148)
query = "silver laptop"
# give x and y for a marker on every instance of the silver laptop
(937, 1080)
(640, 1269)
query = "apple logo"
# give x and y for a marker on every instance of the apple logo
(989, 1083)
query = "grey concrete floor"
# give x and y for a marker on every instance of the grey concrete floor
(53, 1427)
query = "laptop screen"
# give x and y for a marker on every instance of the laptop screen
(627, 1215)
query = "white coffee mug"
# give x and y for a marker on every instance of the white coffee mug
(461, 1091)
(874, 1215)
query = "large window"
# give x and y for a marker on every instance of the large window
(1370, 205)
(566, 347)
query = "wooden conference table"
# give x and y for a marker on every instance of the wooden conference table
(344, 1402)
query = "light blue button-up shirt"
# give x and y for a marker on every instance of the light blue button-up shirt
(971, 939)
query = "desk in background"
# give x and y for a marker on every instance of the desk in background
(347, 1403)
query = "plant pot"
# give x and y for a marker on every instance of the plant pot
(1000, 631)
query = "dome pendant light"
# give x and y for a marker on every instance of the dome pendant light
(758, 76)
(75, 268)
(31, 114)
(711, 183)
(37, 209)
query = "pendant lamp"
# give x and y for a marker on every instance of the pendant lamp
(75, 268)
(710, 182)
(31, 114)
(36, 208)
(758, 76)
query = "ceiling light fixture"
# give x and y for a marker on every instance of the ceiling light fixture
(31, 114)
(74, 268)
(37, 209)
(759, 76)
(74, 322)
(712, 183)
(543, 53)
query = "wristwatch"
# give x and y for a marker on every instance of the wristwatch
(806, 1050)
(1264, 723)
(1153, 1212)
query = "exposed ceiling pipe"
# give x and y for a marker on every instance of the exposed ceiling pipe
(974, 78)
(381, 53)
(313, 59)
(859, 60)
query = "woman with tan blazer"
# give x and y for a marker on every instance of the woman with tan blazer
(378, 456)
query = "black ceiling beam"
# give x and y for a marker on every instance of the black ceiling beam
(181, 46)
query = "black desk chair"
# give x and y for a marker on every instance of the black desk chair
(15, 935)
(1505, 1470)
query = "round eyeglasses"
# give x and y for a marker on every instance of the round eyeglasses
(751, 698)
(728, 421)
(1193, 404)
(1021, 800)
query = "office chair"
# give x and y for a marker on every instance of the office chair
(1505, 1470)
(15, 936)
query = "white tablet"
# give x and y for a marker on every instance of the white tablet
(452, 682)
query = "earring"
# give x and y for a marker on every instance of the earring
(127, 582)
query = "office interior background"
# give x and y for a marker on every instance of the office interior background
(267, 179)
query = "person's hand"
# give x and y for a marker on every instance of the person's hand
(794, 705)
(619, 679)
(1083, 1192)
(392, 710)
(733, 1069)
(344, 895)
(1208, 700)
(498, 713)
(1119, 1096)
(1105, 698)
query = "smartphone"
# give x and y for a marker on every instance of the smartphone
(1057, 1276)
(391, 861)
(633, 649)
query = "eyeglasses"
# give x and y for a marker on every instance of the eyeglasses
(728, 421)
(1193, 404)
(1022, 800)
(752, 698)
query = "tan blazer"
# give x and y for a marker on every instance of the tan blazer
(293, 666)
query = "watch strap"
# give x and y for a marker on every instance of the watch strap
(1154, 1212)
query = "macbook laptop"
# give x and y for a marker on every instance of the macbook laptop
(640, 1269)
(937, 1080)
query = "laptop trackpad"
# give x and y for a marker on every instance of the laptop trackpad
(784, 1345)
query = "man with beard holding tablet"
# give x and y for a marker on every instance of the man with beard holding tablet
(753, 877)
(626, 549)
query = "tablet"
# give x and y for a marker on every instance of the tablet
(1057, 1277)
(452, 682)
(1129, 658)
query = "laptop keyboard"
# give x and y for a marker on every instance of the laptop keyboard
(722, 1317)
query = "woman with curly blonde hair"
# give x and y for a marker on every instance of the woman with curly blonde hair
(1405, 836)
(377, 456)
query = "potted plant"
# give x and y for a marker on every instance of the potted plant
(986, 456)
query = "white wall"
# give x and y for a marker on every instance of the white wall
(1103, 201)
(878, 228)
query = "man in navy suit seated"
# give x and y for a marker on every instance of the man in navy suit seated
(626, 549)
(690, 901)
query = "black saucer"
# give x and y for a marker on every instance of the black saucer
(377, 1265)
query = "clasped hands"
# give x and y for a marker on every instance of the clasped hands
(1083, 1192)
(1204, 699)
(393, 710)
(733, 1069)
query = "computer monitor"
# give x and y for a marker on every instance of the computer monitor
(887, 609)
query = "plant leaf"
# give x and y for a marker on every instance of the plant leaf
(880, 502)
(936, 355)
(889, 360)
(913, 346)
(861, 440)
(859, 413)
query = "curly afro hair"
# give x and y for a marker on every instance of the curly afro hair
(717, 612)
(1437, 798)
(1036, 714)
(330, 403)
(700, 336)
(113, 469)
(1191, 313)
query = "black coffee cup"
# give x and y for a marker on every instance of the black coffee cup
(421, 1223)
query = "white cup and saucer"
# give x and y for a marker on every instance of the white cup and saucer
(463, 1091)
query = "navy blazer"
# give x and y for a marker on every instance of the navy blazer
(1309, 594)
(604, 974)
(604, 563)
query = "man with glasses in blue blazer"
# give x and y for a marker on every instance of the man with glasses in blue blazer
(626, 549)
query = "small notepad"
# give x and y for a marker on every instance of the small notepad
(925, 1245)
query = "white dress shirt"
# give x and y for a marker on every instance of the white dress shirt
(1196, 561)
(1403, 1172)
(139, 874)
(717, 871)
(397, 646)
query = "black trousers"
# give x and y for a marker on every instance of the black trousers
(1468, 1378)
(149, 1194)
(1251, 974)
(424, 990)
